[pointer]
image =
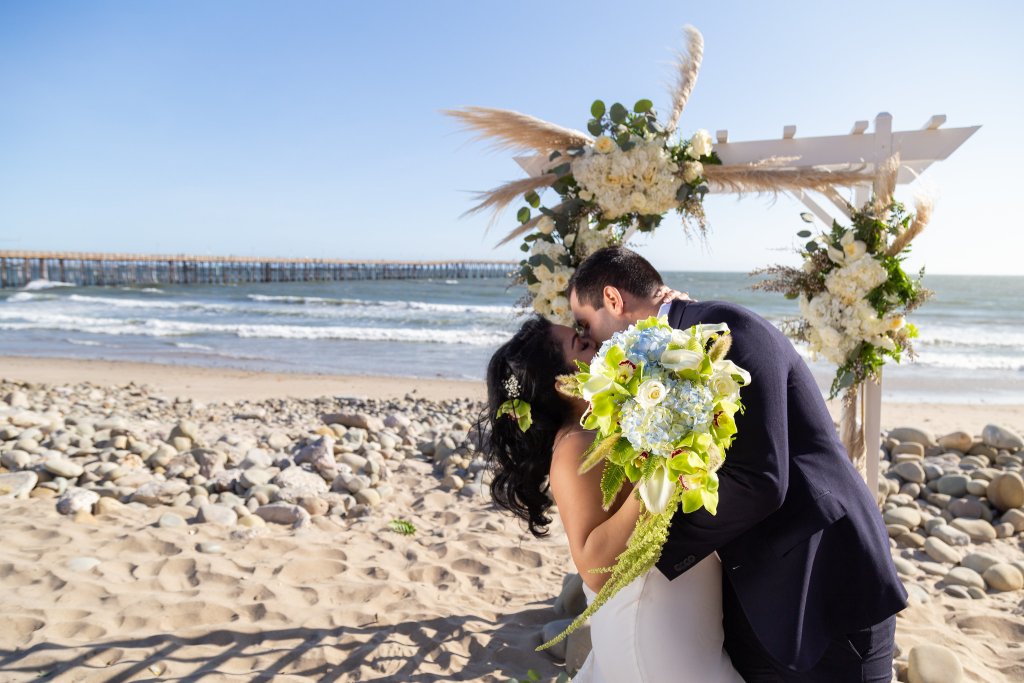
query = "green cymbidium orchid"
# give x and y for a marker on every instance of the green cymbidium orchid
(723, 425)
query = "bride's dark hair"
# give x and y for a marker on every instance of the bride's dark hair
(520, 460)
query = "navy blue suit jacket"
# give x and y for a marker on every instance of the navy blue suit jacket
(801, 538)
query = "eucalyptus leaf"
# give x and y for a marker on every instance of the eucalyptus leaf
(804, 233)
(643, 106)
(618, 113)
(541, 260)
(523, 215)
(595, 127)
(597, 109)
(533, 199)
(524, 247)
(811, 246)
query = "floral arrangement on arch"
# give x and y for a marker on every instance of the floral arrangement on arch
(620, 179)
(854, 294)
(629, 177)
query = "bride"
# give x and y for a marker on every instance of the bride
(651, 631)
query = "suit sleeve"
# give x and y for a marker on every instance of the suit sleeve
(755, 476)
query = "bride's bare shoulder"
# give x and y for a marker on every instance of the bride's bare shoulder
(568, 447)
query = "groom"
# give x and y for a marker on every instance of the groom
(809, 590)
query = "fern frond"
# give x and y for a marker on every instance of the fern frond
(612, 479)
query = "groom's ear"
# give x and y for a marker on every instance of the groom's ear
(612, 299)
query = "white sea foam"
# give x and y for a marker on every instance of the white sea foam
(195, 347)
(494, 310)
(19, 297)
(142, 303)
(83, 342)
(177, 328)
(45, 284)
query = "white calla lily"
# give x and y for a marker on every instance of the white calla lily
(597, 384)
(733, 370)
(657, 491)
(713, 328)
(678, 360)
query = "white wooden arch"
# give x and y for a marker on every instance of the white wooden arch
(918, 149)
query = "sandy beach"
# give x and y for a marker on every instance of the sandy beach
(269, 559)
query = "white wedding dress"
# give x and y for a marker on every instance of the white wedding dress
(660, 631)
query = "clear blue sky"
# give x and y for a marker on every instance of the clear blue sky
(313, 128)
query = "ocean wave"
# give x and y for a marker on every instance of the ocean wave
(20, 297)
(142, 303)
(83, 342)
(195, 347)
(45, 284)
(176, 328)
(492, 309)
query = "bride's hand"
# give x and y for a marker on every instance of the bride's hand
(665, 294)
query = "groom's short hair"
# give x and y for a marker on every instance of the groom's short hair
(618, 267)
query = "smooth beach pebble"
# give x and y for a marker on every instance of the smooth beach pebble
(17, 484)
(83, 564)
(933, 664)
(979, 562)
(169, 520)
(962, 576)
(1001, 437)
(940, 551)
(910, 471)
(210, 548)
(1006, 491)
(913, 435)
(1004, 577)
(979, 530)
(957, 441)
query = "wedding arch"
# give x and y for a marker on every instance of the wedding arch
(633, 168)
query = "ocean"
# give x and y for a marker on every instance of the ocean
(971, 348)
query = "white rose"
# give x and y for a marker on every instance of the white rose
(540, 304)
(546, 225)
(896, 322)
(722, 384)
(700, 144)
(559, 305)
(830, 338)
(638, 201)
(650, 394)
(604, 144)
(692, 170)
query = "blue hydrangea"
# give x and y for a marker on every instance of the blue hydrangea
(687, 407)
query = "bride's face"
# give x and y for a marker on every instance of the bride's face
(574, 347)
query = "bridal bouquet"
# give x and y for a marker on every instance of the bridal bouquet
(663, 403)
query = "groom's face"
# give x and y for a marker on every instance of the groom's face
(597, 324)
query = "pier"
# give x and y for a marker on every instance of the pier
(18, 268)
